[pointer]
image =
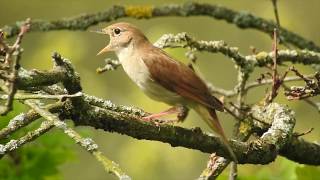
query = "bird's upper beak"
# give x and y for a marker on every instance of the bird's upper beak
(108, 47)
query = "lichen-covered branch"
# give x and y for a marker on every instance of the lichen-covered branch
(301, 151)
(24, 119)
(30, 136)
(126, 120)
(215, 165)
(241, 19)
(246, 152)
(41, 96)
(260, 59)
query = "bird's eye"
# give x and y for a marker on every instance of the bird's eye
(117, 31)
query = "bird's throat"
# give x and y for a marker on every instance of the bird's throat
(124, 53)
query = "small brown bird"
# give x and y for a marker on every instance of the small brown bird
(161, 77)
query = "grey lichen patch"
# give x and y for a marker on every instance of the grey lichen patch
(89, 144)
(27, 79)
(60, 124)
(107, 104)
(169, 40)
(16, 121)
(10, 146)
(2, 149)
(282, 123)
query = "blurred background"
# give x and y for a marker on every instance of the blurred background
(55, 156)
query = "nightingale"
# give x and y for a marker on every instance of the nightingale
(161, 77)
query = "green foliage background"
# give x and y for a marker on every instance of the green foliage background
(55, 156)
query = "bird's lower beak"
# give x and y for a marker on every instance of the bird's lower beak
(104, 50)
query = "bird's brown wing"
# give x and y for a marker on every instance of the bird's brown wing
(177, 77)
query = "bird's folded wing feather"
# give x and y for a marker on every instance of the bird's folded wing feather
(177, 77)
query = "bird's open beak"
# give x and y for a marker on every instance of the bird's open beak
(105, 49)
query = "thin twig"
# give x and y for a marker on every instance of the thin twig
(15, 65)
(19, 96)
(312, 87)
(3, 45)
(251, 85)
(111, 64)
(87, 143)
(269, 81)
(275, 82)
(303, 77)
(276, 14)
(274, 69)
(303, 133)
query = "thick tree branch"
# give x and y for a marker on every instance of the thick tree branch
(126, 120)
(260, 151)
(128, 124)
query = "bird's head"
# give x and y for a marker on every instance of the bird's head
(122, 35)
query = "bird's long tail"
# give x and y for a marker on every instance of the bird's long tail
(211, 118)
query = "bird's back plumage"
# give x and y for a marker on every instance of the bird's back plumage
(164, 70)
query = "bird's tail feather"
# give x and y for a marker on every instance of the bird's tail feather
(211, 118)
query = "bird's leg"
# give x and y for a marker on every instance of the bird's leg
(169, 111)
(181, 112)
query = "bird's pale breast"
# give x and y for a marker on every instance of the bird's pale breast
(138, 72)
